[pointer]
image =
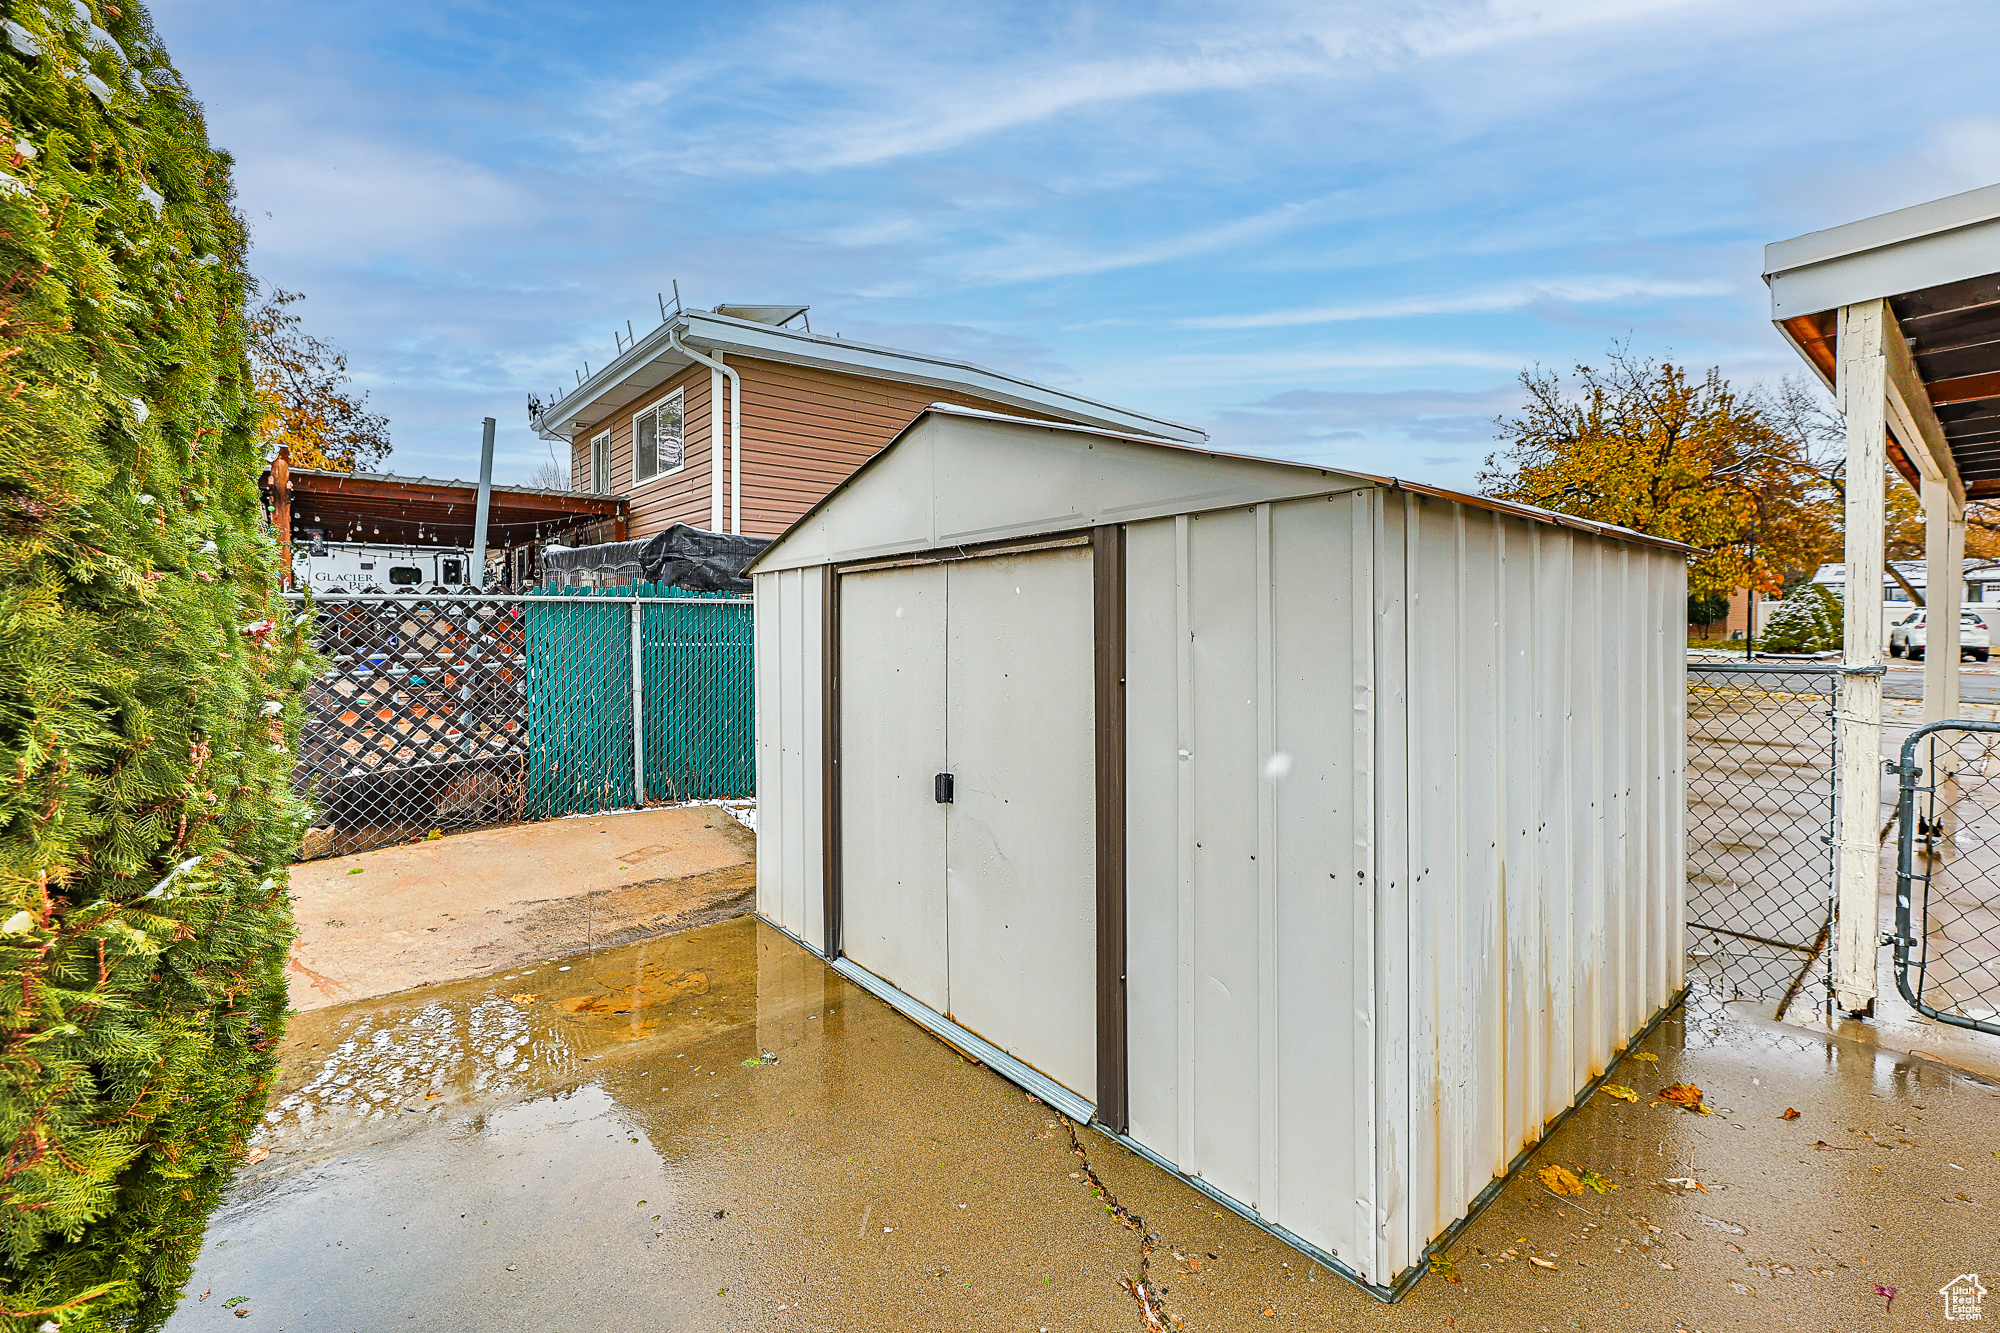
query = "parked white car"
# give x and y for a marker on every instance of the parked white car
(1907, 636)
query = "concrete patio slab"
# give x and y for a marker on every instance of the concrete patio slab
(383, 921)
(714, 1131)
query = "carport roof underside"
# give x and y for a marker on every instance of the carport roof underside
(1938, 267)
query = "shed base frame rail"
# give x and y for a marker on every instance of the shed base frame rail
(1001, 1063)
(1946, 944)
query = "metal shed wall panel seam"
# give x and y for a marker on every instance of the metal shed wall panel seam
(790, 845)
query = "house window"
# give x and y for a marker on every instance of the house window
(658, 448)
(600, 464)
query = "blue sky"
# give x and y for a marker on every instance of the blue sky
(1332, 232)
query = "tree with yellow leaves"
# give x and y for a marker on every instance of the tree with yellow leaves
(302, 383)
(1644, 444)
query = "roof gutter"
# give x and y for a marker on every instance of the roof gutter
(716, 370)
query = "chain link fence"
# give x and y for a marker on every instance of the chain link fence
(1947, 941)
(455, 712)
(1761, 773)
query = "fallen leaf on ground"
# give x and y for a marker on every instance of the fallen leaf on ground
(1444, 1267)
(1791, 1113)
(1645, 1055)
(255, 1155)
(1685, 1095)
(1888, 1295)
(1540, 1262)
(1269, 1313)
(524, 998)
(1598, 1183)
(1560, 1180)
(1621, 1093)
(206, 1292)
(355, 871)
(233, 1302)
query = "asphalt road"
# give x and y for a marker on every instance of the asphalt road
(1971, 689)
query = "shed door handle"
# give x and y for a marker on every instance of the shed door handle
(942, 784)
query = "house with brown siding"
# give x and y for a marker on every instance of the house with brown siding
(808, 410)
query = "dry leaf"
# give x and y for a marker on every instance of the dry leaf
(524, 998)
(1684, 1095)
(1444, 1268)
(1645, 1055)
(255, 1155)
(1622, 1094)
(1540, 1262)
(1560, 1180)
(1791, 1113)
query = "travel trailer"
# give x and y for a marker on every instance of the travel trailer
(347, 567)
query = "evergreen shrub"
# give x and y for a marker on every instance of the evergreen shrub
(148, 680)
(1807, 621)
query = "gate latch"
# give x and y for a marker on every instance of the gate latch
(943, 786)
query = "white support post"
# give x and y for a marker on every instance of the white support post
(638, 703)
(1861, 386)
(1944, 591)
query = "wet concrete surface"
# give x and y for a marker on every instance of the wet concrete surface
(714, 1131)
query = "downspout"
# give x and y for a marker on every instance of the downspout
(716, 368)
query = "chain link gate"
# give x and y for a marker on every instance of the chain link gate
(1947, 940)
(455, 712)
(1762, 769)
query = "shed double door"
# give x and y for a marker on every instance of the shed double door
(982, 907)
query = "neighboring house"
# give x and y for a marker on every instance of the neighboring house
(1982, 580)
(811, 408)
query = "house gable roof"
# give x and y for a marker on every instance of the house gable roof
(958, 476)
(651, 360)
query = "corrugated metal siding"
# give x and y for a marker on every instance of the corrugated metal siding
(1250, 1033)
(790, 782)
(1544, 880)
(1359, 989)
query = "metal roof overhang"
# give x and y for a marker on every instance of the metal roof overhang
(1938, 267)
(418, 511)
(1507, 507)
(652, 361)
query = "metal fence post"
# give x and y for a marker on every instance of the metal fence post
(638, 703)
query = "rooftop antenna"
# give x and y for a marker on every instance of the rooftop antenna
(677, 296)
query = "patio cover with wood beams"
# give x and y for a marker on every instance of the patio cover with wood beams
(1900, 315)
(418, 511)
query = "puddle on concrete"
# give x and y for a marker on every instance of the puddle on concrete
(354, 1071)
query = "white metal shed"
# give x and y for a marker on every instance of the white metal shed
(1317, 835)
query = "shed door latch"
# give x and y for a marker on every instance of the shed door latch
(943, 786)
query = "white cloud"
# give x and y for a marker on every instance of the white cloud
(1512, 296)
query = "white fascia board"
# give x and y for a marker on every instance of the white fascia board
(1945, 240)
(720, 333)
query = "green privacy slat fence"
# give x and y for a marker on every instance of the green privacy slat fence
(442, 713)
(695, 689)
